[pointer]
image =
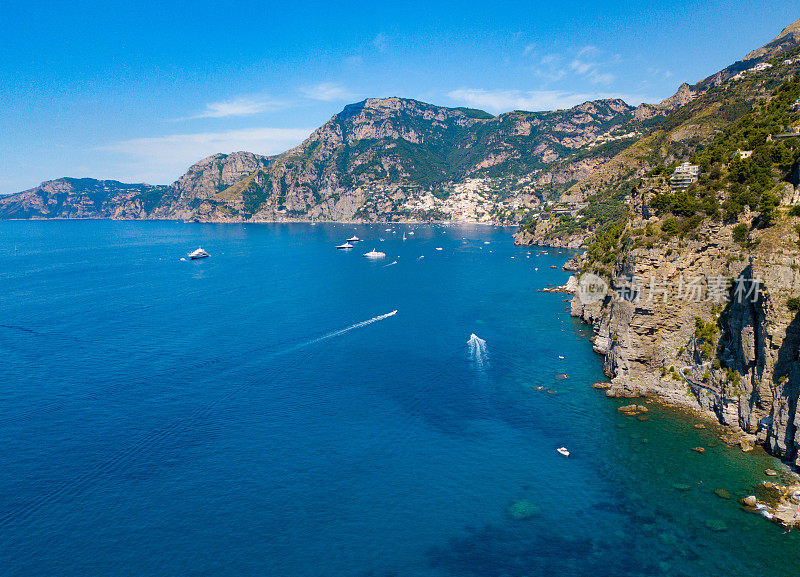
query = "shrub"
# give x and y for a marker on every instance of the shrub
(740, 234)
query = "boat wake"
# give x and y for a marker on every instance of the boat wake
(127, 456)
(343, 331)
(477, 351)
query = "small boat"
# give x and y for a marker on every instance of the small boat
(375, 254)
(345, 245)
(199, 253)
(439, 248)
(563, 451)
(404, 236)
(560, 356)
(410, 232)
(353, 239)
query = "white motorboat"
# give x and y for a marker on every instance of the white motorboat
(199, 253)
(375, 254)
(563, 451)
(345, 245)
(353, 238)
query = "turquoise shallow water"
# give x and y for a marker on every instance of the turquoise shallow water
(162, 417)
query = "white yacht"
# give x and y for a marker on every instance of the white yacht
(563, 451)
(353, 238)
(375, 254)
(199, 253)
(345, 245)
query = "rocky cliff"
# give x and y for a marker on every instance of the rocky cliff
(703, 282)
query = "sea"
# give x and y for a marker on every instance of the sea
(283, 408)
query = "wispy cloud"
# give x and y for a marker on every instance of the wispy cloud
(327, 92)
(587, 64)
(497, 101)
(162, 159)
(239, 106)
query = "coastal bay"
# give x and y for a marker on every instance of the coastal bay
(238, 415)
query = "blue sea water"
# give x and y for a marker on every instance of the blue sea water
(237, 416)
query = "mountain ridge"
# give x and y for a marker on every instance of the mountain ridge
(398, 158)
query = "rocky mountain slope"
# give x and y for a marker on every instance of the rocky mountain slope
(379, 159)
(689, 121)
(703, 299)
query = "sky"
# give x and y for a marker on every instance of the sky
(138, 91)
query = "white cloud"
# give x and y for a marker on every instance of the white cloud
(162, 159)
(497, 101)
(580, 66)
(241, 106)
(327, 92)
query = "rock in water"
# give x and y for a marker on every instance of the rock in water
(700, 450)
(523, 509)
(722, 493)
(771, 473)
(716, 525)
(750, 501)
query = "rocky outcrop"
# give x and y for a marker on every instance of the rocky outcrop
(748, 375)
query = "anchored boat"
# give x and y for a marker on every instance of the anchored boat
(345, 245)
(199, 253)
(375, 254)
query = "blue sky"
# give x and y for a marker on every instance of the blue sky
(137, 91)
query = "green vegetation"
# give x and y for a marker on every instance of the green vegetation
(740, 234)
(793, 304)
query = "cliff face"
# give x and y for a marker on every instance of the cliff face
(750, 380)
(379, 159)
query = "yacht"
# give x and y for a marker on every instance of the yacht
(563, 451)
(375, 254)
(345, 245)
(199, 253)
(353, 239)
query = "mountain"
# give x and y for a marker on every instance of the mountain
(379, 159)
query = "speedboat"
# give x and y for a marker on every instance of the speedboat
(353, 239)
(345, 245)
(375, 254)
(563, 451)
(199, 253)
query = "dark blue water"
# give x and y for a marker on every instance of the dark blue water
(168, 417)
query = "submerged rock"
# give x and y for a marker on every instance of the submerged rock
(716, 525)
(699, 426)
(700, 450)
(750, 501)
(523, 509)
(722, 493)
(771, 473)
